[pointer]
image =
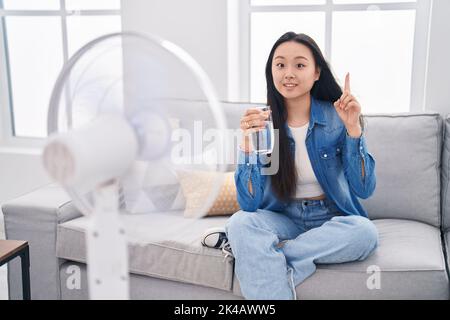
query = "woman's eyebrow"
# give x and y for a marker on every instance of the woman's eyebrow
(298, 57)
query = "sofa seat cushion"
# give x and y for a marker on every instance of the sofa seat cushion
(409, 263)
(165, 246)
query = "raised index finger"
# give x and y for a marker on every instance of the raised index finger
(347, 82)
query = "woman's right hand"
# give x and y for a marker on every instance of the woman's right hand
(253, 120)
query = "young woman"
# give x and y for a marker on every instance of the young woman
(308, 212)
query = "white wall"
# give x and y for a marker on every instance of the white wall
(438, 79)
(198, 26)
(20, 173)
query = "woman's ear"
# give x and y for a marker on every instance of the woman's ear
(318, 71)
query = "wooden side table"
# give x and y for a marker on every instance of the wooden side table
(9, 249)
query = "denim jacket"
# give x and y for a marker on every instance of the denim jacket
(336, 159)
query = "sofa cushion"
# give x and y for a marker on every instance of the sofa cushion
(446, 176)
(409, 258)
(197, 185)
(161, 245)
(407, 151)
(409, 262)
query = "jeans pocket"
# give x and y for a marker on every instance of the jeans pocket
(332, 208)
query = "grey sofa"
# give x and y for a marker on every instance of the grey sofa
(410, 207)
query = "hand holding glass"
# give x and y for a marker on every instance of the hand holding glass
(258, 125)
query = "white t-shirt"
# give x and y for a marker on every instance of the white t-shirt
(307, 184)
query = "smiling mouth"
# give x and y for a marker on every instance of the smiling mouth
(290, 85)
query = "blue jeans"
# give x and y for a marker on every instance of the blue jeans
(276, 251)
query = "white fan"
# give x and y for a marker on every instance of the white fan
(129, 108)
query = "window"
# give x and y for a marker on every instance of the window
(382, 43)
(38, 37)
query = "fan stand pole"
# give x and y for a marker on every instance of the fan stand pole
(106, 246)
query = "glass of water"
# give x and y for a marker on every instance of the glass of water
(262, 140)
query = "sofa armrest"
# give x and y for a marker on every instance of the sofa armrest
(34, 217)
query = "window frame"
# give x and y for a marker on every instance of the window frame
(8, 140)
(239, 11)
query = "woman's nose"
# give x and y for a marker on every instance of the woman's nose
(289, 76)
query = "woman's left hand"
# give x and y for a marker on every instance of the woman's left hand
(349, 109)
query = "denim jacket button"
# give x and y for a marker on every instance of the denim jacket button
(325, 155)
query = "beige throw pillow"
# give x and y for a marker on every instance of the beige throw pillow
(196, 187)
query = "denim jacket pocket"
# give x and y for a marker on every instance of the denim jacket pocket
(331, 156)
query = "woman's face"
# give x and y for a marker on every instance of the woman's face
(293, 69)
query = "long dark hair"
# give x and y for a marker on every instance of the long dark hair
(326, 89)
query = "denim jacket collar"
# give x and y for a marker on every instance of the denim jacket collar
(316, 116)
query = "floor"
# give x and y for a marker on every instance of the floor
(3, 269)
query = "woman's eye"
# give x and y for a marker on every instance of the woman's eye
(300, 65)
(280, 65)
